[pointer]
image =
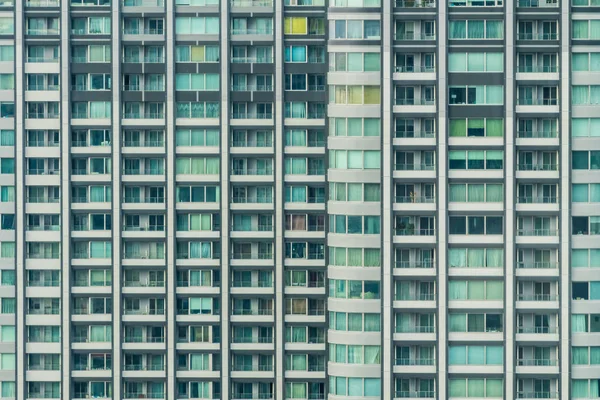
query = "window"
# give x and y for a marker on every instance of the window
(478, 95)
(199, 54)
(460, 322)
(355, 387)
(475, 159)
(584, 62)
(582, 323)
(354, 159)
(208, 82)
(475, 258)
(475, 387)
(476, 192)
(197, 25)
(7, 53)
(197, 165)
(354, 257)
(475, 290)
(585, 193)
(354, 62)
(477, 127)
(585, 160)
(7, 26)
(354, 126)
(585, 95)
(354, 94)
(354, 191)
(197, 137)
(343, 289)
(585, 127)
(475, 355)
(357, 29)
(295, 25)
(354, 354)
(475, 62)
(475, 29)
(585, 355)
(475, 225)
(197, 194)
(185, 109)
(586, 29)
(354, 224)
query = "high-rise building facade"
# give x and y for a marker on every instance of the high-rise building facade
(299, 199)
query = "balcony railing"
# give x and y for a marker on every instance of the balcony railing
(537, 36)
(141, 339)
(252, 339)
(250, 256)
(252, 3)
(415, 264)
(537, 167)
(142, 367)
(143, 3)
(148, 115)
(415, 361)
(415, 394)
(415, 68)
(537, 362)
(415, 36)
(258, 311)
(90, 2)
(415, 199)
(537, 134)
(537, 199)
(244, 283)
(538, 297)
(417, 297)
(251, 200)
(252, 60)
(537, 3)
(537, 232)
(251, 367)
(415, 4)
(537, 395)
(536, 329)
(415, 329)
(537, 102)
(142, 200)
(251, 115)
(252, 88)
(538, 264)
(537, 68)
(138, 395)
(415, 134)
(414, 167)
(414, 232)
(252, 171)
(251, 31)
(145, 31)
(415, 102)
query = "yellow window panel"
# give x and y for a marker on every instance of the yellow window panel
(198, 53)
(372, 94)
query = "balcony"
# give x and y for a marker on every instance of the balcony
(537, 301)
(44, 3)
